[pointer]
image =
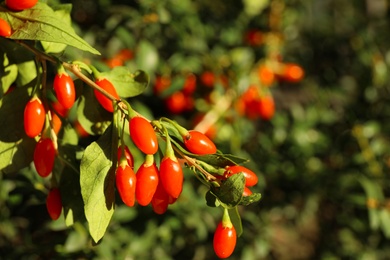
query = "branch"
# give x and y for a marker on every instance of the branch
(215, 113)
(192, 162)
(75, 69)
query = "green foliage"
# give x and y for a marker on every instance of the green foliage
(224, 193)
(16, 149)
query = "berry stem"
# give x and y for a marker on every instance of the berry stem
(75, 69)
(39, 77)
(211, 169)
(193, 162)
(182, 131)
(131, 112)
(61, 70)
(169, 152)
(117, 131)
(219, 109)
(149, 160)
(49, 129)
(226, 222)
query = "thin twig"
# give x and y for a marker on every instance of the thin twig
(192, 162)
(215, 113)
(75, 69)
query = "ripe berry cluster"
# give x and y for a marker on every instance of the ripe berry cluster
(162, 186)
(45, 126)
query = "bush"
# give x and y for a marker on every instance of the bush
(296, 90)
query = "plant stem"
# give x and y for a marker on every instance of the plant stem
(183, 132)
(226, 222)
(218, 109)
(75, 69)
(193, 162)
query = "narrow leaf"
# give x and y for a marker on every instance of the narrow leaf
(372, 191)
(217, 160)
(236, 220)
(97, 179)
(384, 215)
(255, 197)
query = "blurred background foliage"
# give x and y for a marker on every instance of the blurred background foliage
(322, 159)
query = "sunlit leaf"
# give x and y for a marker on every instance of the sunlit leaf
(91, 115)
(97, 179)
(41, 23)
(127, 84)
(63, 13)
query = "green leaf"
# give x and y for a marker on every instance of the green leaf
(68, 135)
(373, 191)
(217, 160)
(255, 7)
(16, 149)
(72, 200)
(384, 215)
(63, 13)
(22, 58)
(91, 115)
(230, 191)
(176, 85)
(255, 197)
(147, 56)
(27, 73)
(242, 57)
(8, 74)
(16, 155)
(236, 220)
(42, 23)
(183, 62)
(97, 181)
(127, 84)
(236, 159)
(211, 200)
